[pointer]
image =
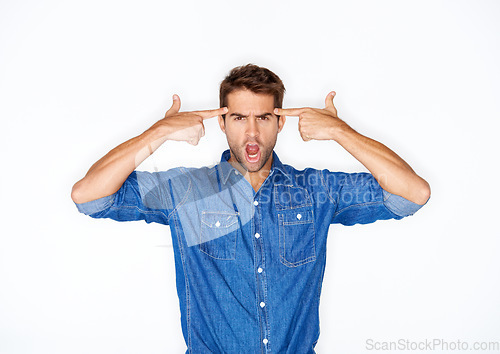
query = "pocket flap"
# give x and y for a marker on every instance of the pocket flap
(219, 220)
(298, 216)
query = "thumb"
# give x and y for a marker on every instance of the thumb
(176, 105)
(329, 101)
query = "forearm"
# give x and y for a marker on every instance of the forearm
(107, 175)
(391, 171)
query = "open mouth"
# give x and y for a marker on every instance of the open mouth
(252, 153)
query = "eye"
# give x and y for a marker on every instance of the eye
(264, 118)
(238, 118)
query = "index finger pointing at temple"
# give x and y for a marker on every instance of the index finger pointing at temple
(210, 113)
(291, 112)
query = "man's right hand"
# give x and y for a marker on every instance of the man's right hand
(107, 175)
(185, 126)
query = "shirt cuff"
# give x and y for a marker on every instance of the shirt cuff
(399, 205)
(95, 206)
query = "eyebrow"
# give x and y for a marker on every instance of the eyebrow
(244, 116)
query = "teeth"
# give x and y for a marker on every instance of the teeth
(252, 147)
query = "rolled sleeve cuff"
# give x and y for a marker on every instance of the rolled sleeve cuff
(95, 206)
(399, 205)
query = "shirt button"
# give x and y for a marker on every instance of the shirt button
(255, 203)
(236, 173)
(265, 341)
(262, 304)
(299, 216)
(259, 270)
(257, 235)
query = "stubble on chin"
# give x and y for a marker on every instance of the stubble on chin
(241, 160)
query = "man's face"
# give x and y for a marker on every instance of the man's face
(251, 129)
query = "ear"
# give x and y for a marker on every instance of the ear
(222, 124)
(281, 123)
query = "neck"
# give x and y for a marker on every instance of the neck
(257, 178)
(254, 178)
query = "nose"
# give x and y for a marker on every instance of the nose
(252, 130)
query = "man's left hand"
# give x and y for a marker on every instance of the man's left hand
(316, 123)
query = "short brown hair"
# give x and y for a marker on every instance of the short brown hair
(253, 78)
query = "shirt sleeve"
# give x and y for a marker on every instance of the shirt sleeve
(359, 199)
(143, 196)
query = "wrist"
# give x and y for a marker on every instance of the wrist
(340, 131)
(159, 131)
(155, 136)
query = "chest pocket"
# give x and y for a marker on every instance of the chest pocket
(218, 234)
(296, 225)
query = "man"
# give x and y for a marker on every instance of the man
(249, 234)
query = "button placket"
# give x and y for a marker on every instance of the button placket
(261, 279)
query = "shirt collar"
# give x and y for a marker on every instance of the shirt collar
(225, 168)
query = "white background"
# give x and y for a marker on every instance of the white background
(79, 77)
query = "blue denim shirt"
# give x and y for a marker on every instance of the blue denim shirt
(249, 265)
